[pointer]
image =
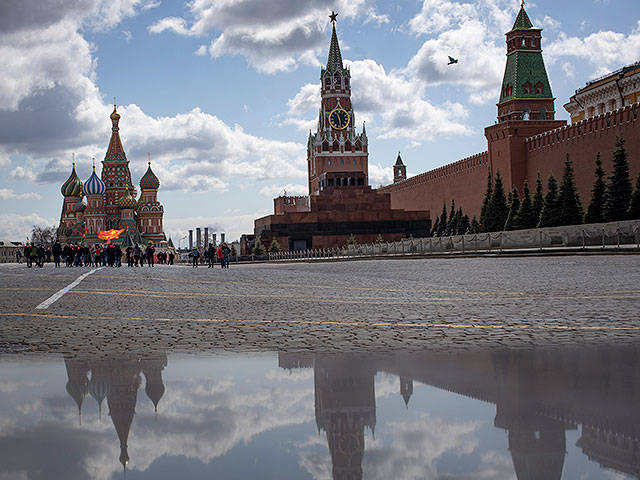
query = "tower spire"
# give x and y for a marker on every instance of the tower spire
(334, 62)
(115, 150)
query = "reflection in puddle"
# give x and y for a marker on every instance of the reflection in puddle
(567, 414)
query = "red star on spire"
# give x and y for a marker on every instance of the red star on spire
(333, 17)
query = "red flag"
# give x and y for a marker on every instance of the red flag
(109, 235)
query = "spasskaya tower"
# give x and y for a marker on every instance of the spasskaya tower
(337, 156)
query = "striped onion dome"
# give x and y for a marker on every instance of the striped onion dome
(149, 181)
(99, 388)
(127, 202)
(73, 186)
(95, 185)
(80, 206)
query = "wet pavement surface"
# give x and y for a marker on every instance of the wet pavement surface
(510, 368)
(365, 306)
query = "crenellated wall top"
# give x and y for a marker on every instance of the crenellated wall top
(440, 173)
(622, 117)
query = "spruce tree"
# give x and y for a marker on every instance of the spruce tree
(485, 203)
(451, 225)
(538, 201)
(525, 217)
(258, 248)
(595, 210)
(436, 226)
(274, 247)
(569, 206)
(463, 223)
(620, 188)
(514, 207)
(442, 227)
(475, 226)
(549, 213)
(634, 207)
(497, 210)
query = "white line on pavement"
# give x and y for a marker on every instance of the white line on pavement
(56, 296)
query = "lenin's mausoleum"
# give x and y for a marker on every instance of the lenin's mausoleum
(526, 140)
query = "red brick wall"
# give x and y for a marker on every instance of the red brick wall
(518, 158)
(546, 153)
(464, 181)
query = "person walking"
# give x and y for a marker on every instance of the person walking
(226, 251)
(211, 255)
(19, 256)
(27, 255)
(171, 258)
(136, 254)
(150, 251)
(33, 255)
(56, 250)
(129, 256)
(195, 256)
(118, 256)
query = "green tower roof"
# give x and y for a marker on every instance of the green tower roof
(334, 62)
(523, 68)
(523, 21)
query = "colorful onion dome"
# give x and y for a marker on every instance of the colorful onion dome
(149, 181)
(80, 206)
(115, 115)
(95, 185)
(127, 202)
(73, 186)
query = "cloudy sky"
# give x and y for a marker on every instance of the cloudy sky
(222, 93)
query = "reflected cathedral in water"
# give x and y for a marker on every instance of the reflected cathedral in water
(538, 396)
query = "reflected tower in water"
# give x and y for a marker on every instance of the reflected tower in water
(117, 381)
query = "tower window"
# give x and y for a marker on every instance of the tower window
(327, 82)
(542, 114)
(526, 114)
(539, 87)
(524, 41)
(337, 81)
(527, 88)
(342, 162)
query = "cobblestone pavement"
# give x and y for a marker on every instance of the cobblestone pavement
(358, 306)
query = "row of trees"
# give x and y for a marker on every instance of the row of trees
(560, 205)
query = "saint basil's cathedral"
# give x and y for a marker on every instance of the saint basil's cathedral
(111, 201)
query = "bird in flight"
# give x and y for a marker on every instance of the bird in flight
(452, 60)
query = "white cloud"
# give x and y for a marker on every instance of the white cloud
(470, 32)
(379, 175)
(605, 50)
(272, 36)
(400, 103)
(275, 190)
(18, 227)
(6, 194)
(392, 100)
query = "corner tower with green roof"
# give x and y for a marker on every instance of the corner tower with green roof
(526, 107)
(526, 91)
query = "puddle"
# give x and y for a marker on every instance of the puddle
(569, 414)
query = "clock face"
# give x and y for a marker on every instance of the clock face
(349, 444)
(339, 119)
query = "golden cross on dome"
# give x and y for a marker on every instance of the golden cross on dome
(522, 4)
(333, 17)
(149, 158)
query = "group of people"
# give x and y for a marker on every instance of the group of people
(34, 255)
(101, 255)
(212, 255)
